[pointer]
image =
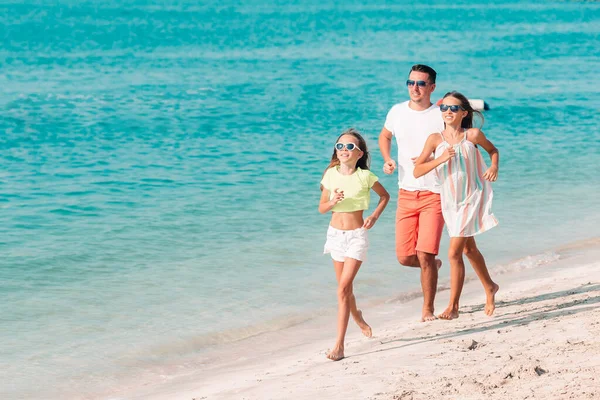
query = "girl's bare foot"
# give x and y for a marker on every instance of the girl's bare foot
(449, 313)
(490, 302)
(364, 327)
(336, 354)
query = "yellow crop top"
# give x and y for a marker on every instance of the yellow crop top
(356, 187)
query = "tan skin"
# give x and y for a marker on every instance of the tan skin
(347, 270)
(459, 245)
(420, 99)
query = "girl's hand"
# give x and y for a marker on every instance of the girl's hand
(338, 195)
(369, 222)
(491, 174)
(448, 154)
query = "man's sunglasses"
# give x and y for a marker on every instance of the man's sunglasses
(349, 146)
(454, 109)
(411, 83)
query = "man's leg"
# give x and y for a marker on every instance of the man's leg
(431, 224)
(429, 278)
(407, 221)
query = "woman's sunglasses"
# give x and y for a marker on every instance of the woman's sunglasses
(454, 109)
(411, 83)
(348, 146)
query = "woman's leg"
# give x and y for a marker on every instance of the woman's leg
(349, 271)
(457, 276)
(354, 311)
(478, 263)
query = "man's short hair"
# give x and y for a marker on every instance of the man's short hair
(426, 69)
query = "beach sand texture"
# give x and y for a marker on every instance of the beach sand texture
(542, 343)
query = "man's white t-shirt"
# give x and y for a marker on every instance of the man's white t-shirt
(411, 129)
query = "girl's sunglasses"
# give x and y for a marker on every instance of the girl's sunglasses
(411, 83)
(349, 146)
(454, 109)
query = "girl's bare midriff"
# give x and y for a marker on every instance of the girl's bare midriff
(347, 221)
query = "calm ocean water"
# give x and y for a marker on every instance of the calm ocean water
(160, 164)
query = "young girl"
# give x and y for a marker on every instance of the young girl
(466, 192)
(346, 186)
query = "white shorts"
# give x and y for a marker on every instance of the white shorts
(342, 244)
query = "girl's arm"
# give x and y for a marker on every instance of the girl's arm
(384, 198)
(422, 166)
(478, 137)
(325, 204)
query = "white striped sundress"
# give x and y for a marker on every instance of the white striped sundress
(466, 197)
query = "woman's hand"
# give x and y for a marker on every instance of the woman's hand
(369, 222)
(491, 174)
(448, 154)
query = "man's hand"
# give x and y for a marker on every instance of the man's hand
(389, 166)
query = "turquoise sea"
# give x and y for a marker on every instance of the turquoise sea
(160, 164)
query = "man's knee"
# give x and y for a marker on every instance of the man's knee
(426, 260)
(407, 261)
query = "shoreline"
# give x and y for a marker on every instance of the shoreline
(282, 363)
(289, 321)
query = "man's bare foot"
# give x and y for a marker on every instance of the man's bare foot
(449, 313)
(490, 302)
(438, 263)
(428, 316)
(336, 354)
(364, 327)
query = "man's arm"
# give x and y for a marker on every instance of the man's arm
(385, 147)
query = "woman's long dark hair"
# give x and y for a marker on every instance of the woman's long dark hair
(467, 121)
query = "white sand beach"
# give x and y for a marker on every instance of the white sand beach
(542, 343)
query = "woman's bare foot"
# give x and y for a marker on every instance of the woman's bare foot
(490, 301)
(428, 315)
(336, 354)
(438, 263)
(449, 313)
(364, 327)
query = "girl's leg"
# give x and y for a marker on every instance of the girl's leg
(349, 271)
(457, 276)
(478, 263)
(354, 311)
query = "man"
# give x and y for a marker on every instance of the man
(419, 220)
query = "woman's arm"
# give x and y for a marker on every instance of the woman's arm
(384, 198)
(478, 137)
(422, 165)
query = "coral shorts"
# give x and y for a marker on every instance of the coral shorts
(419, 223)
(342, 244)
